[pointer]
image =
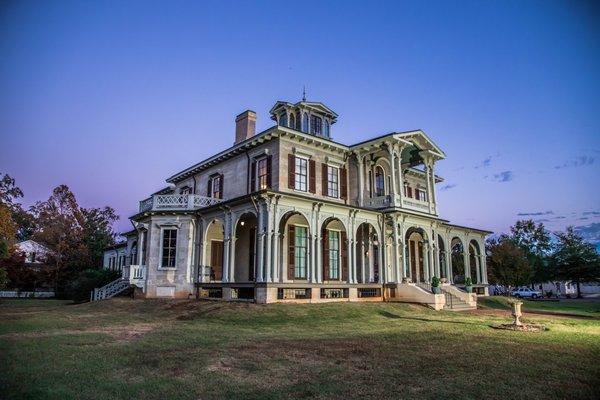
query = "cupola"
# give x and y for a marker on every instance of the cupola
(310, 117)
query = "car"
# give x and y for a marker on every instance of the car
(526, 293)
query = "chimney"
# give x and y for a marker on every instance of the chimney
(245, 126)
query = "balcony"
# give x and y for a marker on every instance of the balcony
(407, 203)
(135, 274)
(176, 202)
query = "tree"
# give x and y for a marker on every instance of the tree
(575, 259)
(8, 230)
(77, 236)
(98, 233)
(9, 192)
(535, 241)
(3, 278)
(507, 262)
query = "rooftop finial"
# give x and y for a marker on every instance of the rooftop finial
(303, 93)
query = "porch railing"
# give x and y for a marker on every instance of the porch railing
(177, 202)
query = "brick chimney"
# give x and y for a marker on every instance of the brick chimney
(245, 126)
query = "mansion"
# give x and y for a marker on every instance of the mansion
(290, 215)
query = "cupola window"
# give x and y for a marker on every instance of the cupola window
(316, 125)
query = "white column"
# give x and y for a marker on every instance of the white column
(268, 248)
(477, 266)
(363, 264)
(432, 196)
(141, 245)
(227, 240)
(396, 262)
(449, 261)
(232, 258)
(466, 261)
(428, 178)
(484, 269)
(392, 157)
(361, 179)
(261, 244)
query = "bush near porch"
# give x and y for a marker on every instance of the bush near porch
(124, 348)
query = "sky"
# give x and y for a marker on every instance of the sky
(112, 97)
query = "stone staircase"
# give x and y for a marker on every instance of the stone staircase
(110, 290)
(456, 303)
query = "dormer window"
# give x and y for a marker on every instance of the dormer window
(283, 121)
(305, 123)
(292, 121)
(326, 129)
(316, 125)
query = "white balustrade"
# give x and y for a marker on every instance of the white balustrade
(377, 202)
(418, 205)
(177, 202)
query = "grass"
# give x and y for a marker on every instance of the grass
(201, 350)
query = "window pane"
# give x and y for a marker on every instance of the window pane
(334, 251)
(332, 182)
(169, 248)
(300, 249)
(301, 176)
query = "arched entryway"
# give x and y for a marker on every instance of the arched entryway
(213, 257)
(245, 248)
(417, 268)
(334, 251)
(475, 261)
(295, 247)
(368, 254)
(457, 260)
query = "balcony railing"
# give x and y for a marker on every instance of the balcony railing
(135, 274)
(162, 202)
(417, 205)
(378, 202)
(386, 201)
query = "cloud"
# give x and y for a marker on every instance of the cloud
(590, 232)
(504, 176)
(580, 161)
(559, 217)
(485, 163)
(535, 214)
(542, 220)
(449, 186)
(582, 218)
(593, 213)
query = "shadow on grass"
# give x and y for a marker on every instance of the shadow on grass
(390, 315)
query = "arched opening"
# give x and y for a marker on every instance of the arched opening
(292, 121)
(442, 258)
(334, 250)
(213, 259)
(245, 248)
(474, 261)
(305, 123)
(283, 121)
(379, 181)
(457, 261)
(416, 267)
(326, 129)
(294, 246)
(368, 249)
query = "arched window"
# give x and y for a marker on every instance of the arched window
(379, 182)
(292, 121)
(283, 119)
(326, 129)
(305, 123)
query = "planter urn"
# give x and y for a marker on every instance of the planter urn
(516, 312)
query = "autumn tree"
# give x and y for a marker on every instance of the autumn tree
(575, 259)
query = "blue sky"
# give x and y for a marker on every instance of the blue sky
(113, 97)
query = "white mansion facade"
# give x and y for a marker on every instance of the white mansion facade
(288, 214)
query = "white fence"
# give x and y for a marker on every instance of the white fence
(19, 294)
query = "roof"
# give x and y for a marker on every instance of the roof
(315, 105)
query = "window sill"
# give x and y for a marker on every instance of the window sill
(167, 268)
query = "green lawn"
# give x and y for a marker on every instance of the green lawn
(583, 307)
(203, 350)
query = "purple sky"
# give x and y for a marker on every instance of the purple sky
(113, 97)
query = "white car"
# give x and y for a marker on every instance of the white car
(526, 293)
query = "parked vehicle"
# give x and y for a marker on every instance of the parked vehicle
(523, 293)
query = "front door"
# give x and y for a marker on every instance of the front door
(413, 261)
(216, 260)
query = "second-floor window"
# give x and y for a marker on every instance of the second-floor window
(263, 173)
(215, 186)
(379, 182)
(316, 125)
(300, 173)
(169, 247)
(333, 186)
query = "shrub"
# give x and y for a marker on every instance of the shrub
(435, 281)
(79, 289)
(468, 281)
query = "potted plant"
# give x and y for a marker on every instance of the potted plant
(435, 285)
(468, 284)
